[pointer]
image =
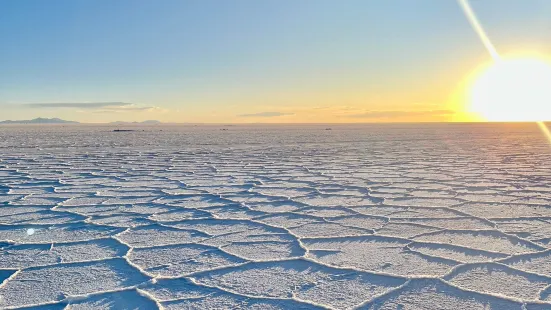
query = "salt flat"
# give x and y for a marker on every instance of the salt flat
(426, 216)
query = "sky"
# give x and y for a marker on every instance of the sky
(277, 61)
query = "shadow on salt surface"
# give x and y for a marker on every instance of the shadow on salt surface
(327, 229)
(217, 227)
(537, 306)
(504, 210)
(183, 259)
(37, 201)
(226, 189)
(539, 262)
(5, 274)
(376, 253)
(435, 294)
(179, 215)
(498, 279)
(424, 212)
(457, 253)
(130, 299)
(182, 192)
(181, 288)
(7, 210)
(27, 255)
(361, 221)
(128, 201)
(143, 208)
(247, 239)
(55, 233)
(545, 295)
(326, 212)
(121, 220)
(89, 250)
(9, 198)
(486, 197)
(234, 301)
(57, 306)
(528, 228)
(486, 240)
(462, 223)
(265, 250)
(183, 294)
(157, 235)
(3, 188)
(89, 210)
(194, 202)
(39, 285)
(289, 219)
(250, 197)
(84, 201)
(41, 217)
(282, 191)
(404, 230)
(301, 279)
(128, 193)
(404, 214)
(340, 190)
(323, 200)
(422, 202)
(233, 212)
(275, 206)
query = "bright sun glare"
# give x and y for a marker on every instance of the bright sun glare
(514, 89)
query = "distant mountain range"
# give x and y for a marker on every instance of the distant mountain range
(40, 120)
(55, 120)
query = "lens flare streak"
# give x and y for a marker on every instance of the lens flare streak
(471, 16)
(545, 131)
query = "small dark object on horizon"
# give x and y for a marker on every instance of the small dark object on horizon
(122, 130)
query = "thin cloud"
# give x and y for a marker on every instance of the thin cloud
(96, 107)
(397, 114)
(266, 114)
(129, 109)
(80, 105)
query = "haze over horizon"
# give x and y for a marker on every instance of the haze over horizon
(272, 61)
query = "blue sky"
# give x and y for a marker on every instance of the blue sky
(249, 61)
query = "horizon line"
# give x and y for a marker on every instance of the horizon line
(142, 123)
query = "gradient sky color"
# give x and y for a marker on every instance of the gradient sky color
(252, 61)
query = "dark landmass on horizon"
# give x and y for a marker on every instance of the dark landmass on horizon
(40, 120)
(55, 120)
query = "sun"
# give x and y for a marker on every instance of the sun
(513, 89)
